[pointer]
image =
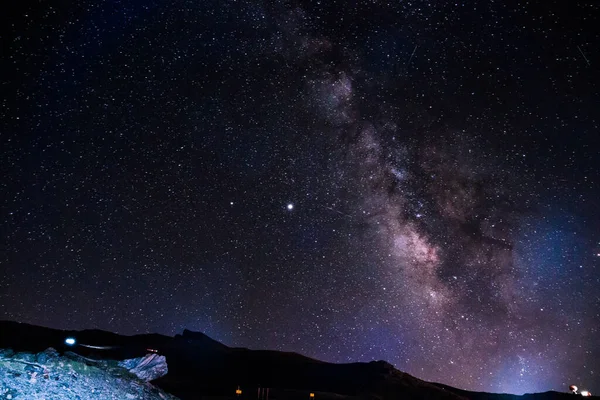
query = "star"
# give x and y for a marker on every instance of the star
(290, 206)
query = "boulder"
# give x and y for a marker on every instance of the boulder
(147, 368)
(47, 355)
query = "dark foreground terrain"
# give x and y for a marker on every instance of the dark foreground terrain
(202, 368)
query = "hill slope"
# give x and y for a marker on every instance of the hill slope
(201, 367)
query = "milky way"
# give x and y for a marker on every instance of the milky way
(414, 182)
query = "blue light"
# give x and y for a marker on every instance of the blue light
(70, 341)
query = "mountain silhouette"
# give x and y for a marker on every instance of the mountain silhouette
(200, 367)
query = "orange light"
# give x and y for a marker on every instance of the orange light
(312, 395)
(573, 389)
(238, 391)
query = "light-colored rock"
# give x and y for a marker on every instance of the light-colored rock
(147, 368)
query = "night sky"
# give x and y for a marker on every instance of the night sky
(416, 182)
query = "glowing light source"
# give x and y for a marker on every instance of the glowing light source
(585, 393)
(573, 389)
(70, 341)
(238, 391)
(312, 395)
(290, 206)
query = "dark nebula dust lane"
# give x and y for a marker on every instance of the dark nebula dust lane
(415, 182)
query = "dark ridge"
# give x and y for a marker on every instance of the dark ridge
(201, 367)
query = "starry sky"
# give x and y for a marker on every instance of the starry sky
(414, 181)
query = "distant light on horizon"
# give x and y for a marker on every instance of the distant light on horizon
(70, 341)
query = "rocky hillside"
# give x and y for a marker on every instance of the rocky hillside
(50, 375)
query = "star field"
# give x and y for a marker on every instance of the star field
(413, 181)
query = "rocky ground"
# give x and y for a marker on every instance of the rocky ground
(51, 376)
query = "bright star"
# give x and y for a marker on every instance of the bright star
(290, 206)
